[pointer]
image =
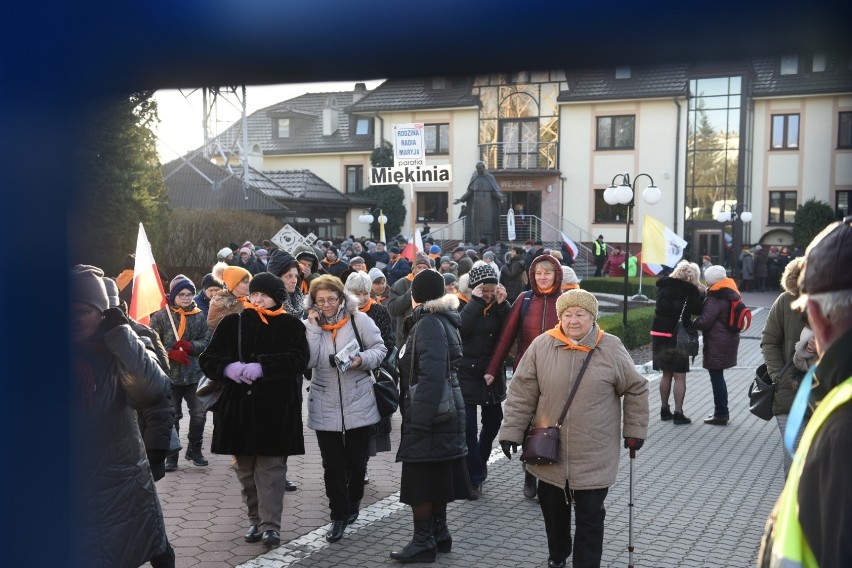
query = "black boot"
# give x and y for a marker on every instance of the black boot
(193, 453)
(422, 547)
(443, 538)
(172, 462)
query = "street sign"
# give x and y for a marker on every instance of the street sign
(409, 144)
(409, 174)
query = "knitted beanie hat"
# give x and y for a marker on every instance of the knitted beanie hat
(568, 275)
(375, 274)
(87, 286)
(233, 275)
(449, 278)
(714, 274)
(112, 292)
(577, 298)
(269, 284)
(427, 285)
(482, 274)
(209, 281)
(356, 260)
(421, 258)
(224, 253)
(178, 283)
(434, 249)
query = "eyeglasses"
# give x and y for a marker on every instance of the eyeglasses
(330, 301)
(185, 295)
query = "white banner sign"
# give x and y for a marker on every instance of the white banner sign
(409, 144)
(411, 174)
(289, 238)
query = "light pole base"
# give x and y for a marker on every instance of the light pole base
(640, 298)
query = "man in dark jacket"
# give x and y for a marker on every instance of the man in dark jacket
(397, 268)
(601, 254)
(481, 323)
(811, 525)
(513, 274)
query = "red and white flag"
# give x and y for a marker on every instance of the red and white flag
(571, 246)
(148, 295)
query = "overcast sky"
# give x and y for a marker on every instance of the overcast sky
(181, 111)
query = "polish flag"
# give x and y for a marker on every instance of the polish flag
(415, 245)
(148, 294)
(572, 247)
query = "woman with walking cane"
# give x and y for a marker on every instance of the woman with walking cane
(576, 356)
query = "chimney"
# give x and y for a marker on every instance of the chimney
(360, 91)
(329, 116)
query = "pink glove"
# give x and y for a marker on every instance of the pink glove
(234, 371)
(252, 372)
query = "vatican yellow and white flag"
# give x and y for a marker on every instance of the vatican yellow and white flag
(660, 245)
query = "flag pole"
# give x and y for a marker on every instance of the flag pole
(640, 297)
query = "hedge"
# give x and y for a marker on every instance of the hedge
(639, 322)
(615, 285)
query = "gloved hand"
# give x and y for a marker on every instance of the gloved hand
(180, 356)
(633, 443)
(184, 345)
(113, 317)
(157, 461)
(252, 372)
(509, 448)
(234, 371)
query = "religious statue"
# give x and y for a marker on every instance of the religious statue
(483, 202)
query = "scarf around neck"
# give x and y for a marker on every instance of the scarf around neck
(183, 312)
(333, 327)
(263, 312)
(556, 333)
(366, 307)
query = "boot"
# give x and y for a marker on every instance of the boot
(172, 462)
(422, 547)
(443, 538)
(193, 453)
(665, 413)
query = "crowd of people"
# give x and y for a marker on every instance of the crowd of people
(270, 326)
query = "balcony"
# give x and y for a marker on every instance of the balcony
(519, 155)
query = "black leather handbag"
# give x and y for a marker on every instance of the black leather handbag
(384, 385)
(760, 394)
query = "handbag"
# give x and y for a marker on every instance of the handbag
(384, 386)
(686, 337)
(541, 445)
(761, 391)
(209, 391)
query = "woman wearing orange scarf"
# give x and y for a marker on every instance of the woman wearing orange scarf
(192, 338)
(341, 404)
(231, 300)
(590, 439)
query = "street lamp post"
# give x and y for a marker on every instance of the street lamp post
(732, 216)
(368, 218)
(624, 195)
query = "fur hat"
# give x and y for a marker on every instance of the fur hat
(375, 274)
(790, 277)
(87, 286)
(714, 274)
(280, 261)
(269, 284)
(482, 274)
(577, 298)
(427, 285)
(112, 292)
(231, 276)
(178, 283)
(421, 258)
(209, 281)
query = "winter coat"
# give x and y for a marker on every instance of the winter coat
(429, 360)
(465, 263)
(263, 418)
(119, 516)
(782, 330)
(761, 264)
(540, 315)
(380, 316)
(747, 266)
(156, 421)
(221, 304)
(343, 401)
(399, 306)
(720, 342)
(613, 265)
(336, 267)
(203, 302)
(512, 277)
(198, 335)
(672, 294)
(591, 435)
(397, 270)
(480, 330)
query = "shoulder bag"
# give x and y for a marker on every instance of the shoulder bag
(541, 445)
(686, 337)
(209, 391)
(761, 391)
(384, 387)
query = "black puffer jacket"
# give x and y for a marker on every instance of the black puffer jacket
(480, 330)
(430, 358)
(671, 296)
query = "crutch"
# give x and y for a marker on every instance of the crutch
(631, 443)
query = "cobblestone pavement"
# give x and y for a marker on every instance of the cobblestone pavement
(702, 494)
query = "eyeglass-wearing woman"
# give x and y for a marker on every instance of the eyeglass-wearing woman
(341, 404)
(590, 437)
(259, 355)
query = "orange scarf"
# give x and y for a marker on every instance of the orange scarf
(570, 286)
(725, 283)
(183, 313)
(546, 291)
(366, 307)
(462, 297)
(556, 333)
(263, 312)
(125, 278)
(410, 277)
(333, 327)
(325, 261)
(304, 287)
(488, 307)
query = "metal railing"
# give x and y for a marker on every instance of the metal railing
(519, 155)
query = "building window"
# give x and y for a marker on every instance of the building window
(785, 131)
(782, 207)
(789, 64)
(844, 131)
(606, 213)
(354, 178)
(432, 206)
(842, 204)
(818, 63)
(437, 139)
(283, 128)
(616, 132)
(622, 72)
(362, 126)
(519, 144)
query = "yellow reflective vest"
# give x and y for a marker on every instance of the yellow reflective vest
(600, 248)
(787, 547)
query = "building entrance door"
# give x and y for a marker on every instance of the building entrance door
(708, 242)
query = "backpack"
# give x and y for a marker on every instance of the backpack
(739, 319)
